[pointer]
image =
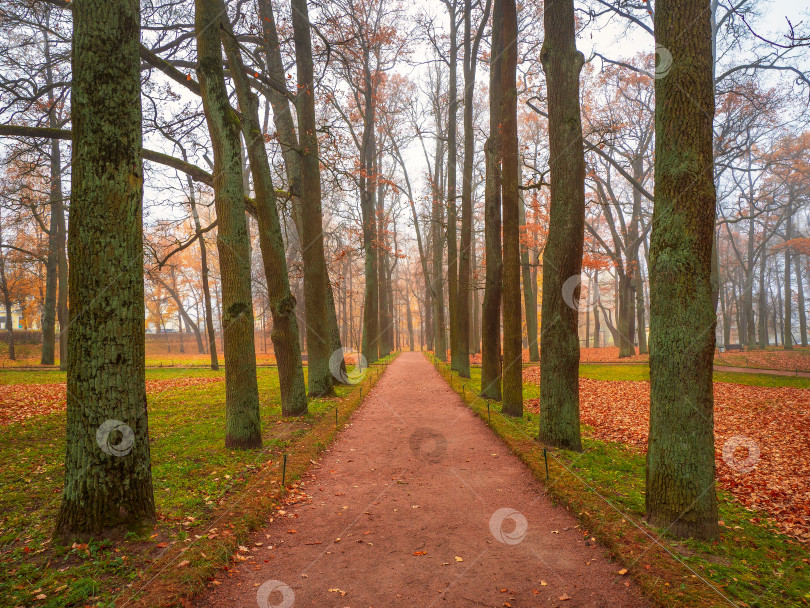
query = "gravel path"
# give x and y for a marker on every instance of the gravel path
(419, 504)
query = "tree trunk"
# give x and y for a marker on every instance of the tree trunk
(320, 378)
(802, 311)
(108, 478)
(680, 486)
(562, 257)
(529, 301)
(409, 319)
(242, 423)
(512, 326)
(788, 337)
(762, 313)
(385, 321)
(491, 312)
(209, 311)
(625, 315)
(52, 261)
(371, 320)
(452, 215)
(437, 218)
(282, 304)
(464, 268)
(596, 327)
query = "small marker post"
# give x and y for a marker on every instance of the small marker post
(489, 416)
(545, 457)
(284, 472)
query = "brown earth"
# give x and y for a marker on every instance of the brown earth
(418, 503)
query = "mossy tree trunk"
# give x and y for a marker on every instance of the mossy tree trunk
(680, 477)
(510, 202)
(108, 479)
(285, 336)
(491, 310)
(320, 380)
(562, 257)
(242, 424)
(288, 140)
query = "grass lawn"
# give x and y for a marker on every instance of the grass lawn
(197, 484)
(750, 565)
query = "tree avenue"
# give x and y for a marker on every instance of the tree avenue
(306, 189)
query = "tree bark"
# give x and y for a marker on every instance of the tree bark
(242, 424)
(491, 313)
(108, 479)
(282, 303)
(562, 257)
(680, 484)
(512, 326)
(320, 379)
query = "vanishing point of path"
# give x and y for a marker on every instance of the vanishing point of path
(430, 509)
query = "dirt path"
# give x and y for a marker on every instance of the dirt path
(430, 509)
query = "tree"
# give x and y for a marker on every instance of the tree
(282, 303)
(242, 423)
(108, 479)
(472, 41)
(510, 202)
(491, 313)
(680, 485)
(316, 279)
(562, 257)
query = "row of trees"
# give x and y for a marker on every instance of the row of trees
(318, 170)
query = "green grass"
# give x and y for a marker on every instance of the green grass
(750, 564)
(642, 372)
(53, 376)
(194, 477)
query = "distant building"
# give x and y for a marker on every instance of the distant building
(18, 320)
